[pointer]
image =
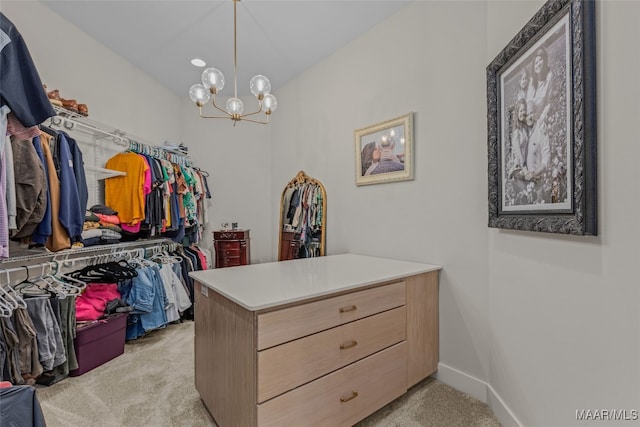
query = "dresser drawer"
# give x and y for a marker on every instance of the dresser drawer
(290, 365)
(343, 397)
(284, 325)
(374, 382)
(222, 245)
(228, 252)
(226, 261)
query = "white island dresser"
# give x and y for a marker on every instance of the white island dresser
(320, 341)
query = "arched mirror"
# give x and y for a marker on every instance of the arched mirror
(303, 217)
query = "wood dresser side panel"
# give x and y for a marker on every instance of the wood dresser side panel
(203, 344)
(225, 359)
(422, 326)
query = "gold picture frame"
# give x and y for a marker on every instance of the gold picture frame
(384, 151)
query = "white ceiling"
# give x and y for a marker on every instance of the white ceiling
(279, 39)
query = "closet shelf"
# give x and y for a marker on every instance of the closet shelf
(69, 120)
(103, 173)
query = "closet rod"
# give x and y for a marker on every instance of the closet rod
(69, 264)
(15, 275)
(69, 253)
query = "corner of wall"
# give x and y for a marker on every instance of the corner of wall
(480, 390)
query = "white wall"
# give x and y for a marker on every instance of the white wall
(428, 58)
(546, 324)
(564, 318)
(116, 92)
(238, 161)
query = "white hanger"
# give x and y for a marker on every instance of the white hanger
(14, 294)
(70, 285)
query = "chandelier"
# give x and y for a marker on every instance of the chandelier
(213, 82)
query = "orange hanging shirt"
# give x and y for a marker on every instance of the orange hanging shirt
(125, 194)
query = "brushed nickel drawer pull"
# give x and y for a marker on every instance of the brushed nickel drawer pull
(350, 344)
(348, 309)
(354, 394)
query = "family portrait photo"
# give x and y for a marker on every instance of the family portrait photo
(541, 124)
(384, 151)
(536, 126)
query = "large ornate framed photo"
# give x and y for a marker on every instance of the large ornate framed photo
(384, 152)
(541, 101)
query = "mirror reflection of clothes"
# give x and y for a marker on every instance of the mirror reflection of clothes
(303, 214)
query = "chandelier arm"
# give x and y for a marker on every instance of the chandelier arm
(254, 113)
(213, 102)
(257, 121)
(214, 117)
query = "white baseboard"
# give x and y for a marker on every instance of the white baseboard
(463, 382)
(480, 390)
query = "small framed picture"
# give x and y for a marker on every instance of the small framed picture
(384, 151)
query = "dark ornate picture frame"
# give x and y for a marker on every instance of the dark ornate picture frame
(541, 114)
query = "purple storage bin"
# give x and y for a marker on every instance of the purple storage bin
(99, 342)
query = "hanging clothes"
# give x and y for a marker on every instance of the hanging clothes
(67, 323)
(125, 194)
(10, 185)
(59, 238)
(173, 206)
(177, 296)
(31, 187)
(4, 203)
(78, 171)
(43, 230)
(71, 215)
(28, 359)
(50, 345)
(10, 347)
(145, 293)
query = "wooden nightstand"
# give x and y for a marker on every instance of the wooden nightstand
(232, 248)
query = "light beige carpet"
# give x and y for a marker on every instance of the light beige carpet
(152, 384)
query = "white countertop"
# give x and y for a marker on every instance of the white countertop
(259, 286)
